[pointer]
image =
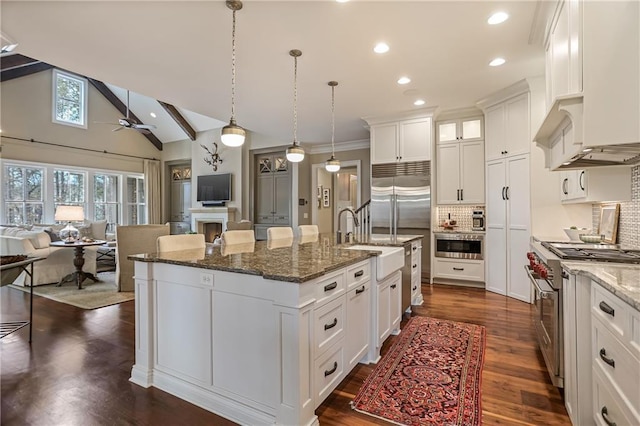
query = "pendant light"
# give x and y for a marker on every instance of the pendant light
(232, 134)
(295, 153)
(333, 165)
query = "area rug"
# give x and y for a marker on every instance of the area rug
(430, 376)
(92, 296)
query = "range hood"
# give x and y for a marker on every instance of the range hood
(570, 141)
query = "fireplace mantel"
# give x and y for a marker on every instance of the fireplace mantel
(200, 215)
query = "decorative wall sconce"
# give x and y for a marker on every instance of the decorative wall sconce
(214, 158)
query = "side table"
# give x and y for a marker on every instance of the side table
(78, 261)
(9, 273)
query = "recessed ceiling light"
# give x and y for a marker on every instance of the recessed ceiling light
(419, 102)
(381, 48)
(404, 80)
(342, 1)
(153, 114)
(497, 62)
(498, 18)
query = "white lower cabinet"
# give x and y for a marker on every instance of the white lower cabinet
(358, 319)
(387, 312)
(615, 357)
(383, 303)
(328, 371)
(395, 304)
(459, 269)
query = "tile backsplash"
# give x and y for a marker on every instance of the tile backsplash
(629, 224)
(461, 214)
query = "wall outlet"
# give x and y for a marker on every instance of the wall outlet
(206, 278)
(306, 215)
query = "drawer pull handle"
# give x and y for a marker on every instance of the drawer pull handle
(458, 269)
(607, 309)
(394, 286)
(605, 416)
(605, 358)
(358, 274)
(415, 265)
(415, 248)
(331, 286)
(333, 370)
(360, 290)
(330, 326)
(415, 287)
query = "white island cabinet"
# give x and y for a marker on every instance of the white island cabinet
(249, 348)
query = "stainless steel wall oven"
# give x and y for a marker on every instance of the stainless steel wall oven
(459, 245)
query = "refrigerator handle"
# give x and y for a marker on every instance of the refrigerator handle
(395, 219)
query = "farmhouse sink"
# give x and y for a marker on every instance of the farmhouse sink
(390, 260)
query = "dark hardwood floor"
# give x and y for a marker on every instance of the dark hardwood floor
(76, 370)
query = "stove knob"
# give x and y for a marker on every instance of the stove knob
(536, 268)
(543, 272)
(532, 263)
(530, 255)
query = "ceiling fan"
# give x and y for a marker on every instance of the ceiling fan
(130, 123)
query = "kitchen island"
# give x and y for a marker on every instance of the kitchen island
(258, 333)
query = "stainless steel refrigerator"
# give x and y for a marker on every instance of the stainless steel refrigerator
(401, 205)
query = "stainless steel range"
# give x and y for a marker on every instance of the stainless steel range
(545, 272)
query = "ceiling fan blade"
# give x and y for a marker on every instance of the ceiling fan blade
(144, 126)
(141, 130)
(117, 129)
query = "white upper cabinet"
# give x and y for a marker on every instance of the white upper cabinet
(592, 72)
(507, 128)
(597, 184)
(401, 141)
(467, 129)
(460, 175)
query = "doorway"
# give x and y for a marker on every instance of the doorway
(335, 191)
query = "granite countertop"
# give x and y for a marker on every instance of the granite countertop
(623, 280)
(282, 260)
(381, 239)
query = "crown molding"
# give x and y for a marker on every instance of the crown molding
(344, 146)
(502, 95)
(404, 115)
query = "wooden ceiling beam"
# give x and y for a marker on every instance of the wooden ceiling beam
(15, 60)
(179, 119)
(122, 108)
(22, 71)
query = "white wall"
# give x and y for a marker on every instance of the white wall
(26, 106)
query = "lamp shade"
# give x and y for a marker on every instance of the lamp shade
(332, 165)
(232, 134)
(295, 154)
(69, 213)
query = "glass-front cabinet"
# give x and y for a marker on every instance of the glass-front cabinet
(468, 129)
(273, 192)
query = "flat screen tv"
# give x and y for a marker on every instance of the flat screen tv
(214, 190)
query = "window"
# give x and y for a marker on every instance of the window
(136, 208)
(106, 199)
(23, 194)
(69, 99)
(69, 188)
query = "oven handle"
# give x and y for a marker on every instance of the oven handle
(543, 293)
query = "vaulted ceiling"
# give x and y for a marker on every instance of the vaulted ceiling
(180, 52)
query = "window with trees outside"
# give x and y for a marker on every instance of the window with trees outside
(23, 194)
(136, 207)
(70, 94)
(30, 194)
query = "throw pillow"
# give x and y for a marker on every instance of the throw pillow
(53, 235)
(84, 232)
(99, 229)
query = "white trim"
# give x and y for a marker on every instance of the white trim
(343, 146)
(84, 104)
(405, 115)
(314, 184)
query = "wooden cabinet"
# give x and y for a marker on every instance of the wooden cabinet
(401, 141)
(460, 173)
(508, 226)
(615, 357)
(467, 129)
(595, 185)
(507, 128)
(180, 200)
(273, 190)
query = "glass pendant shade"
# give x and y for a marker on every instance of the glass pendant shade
(295, 154)
(232, 134)
(332, 165)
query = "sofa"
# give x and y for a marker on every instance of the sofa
(35, 241)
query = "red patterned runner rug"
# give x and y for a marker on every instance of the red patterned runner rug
(430, 376)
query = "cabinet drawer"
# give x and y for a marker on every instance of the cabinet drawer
(328, 324)
(612, 311)
(472, 270)
(616, 363)
(281, 220)
(328, 372)
(606, 403)
(329, 287)
(358, 274)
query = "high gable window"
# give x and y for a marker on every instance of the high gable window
(69, 99)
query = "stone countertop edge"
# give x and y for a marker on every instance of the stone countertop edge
(623, 280)
(301, 278)
(457, 231)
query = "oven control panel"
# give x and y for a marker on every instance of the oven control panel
(538, 266)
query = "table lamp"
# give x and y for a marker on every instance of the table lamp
(69, 214)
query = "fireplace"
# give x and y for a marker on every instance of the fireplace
(211, 230)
